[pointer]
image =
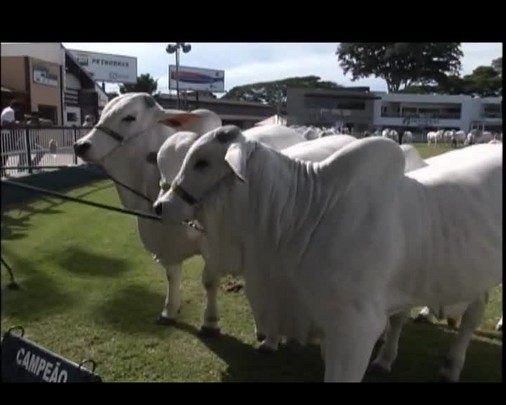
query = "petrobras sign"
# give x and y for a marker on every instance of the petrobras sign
(103, 67)
(193, 78)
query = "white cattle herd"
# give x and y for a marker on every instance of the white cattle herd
(337, 238)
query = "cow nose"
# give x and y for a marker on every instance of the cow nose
(158, 208)
(80, 148)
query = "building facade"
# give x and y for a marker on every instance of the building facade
(361, 110)
(345, 107)
(46, 79)
(244, 114)
(422, 112)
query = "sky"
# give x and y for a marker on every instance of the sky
(245, 63)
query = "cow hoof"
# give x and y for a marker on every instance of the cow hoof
(452, 323)
(378, 370)
(266, 349)
(207, 332)
(163, 320)
(422, 319)
(444, 378)
(260, 337)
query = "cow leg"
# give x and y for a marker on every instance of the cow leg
(173, 297)
(456, 356)
(498, 327)
(265, 317)
(423, 315)
(349, 341)
(211, 281)
(388, 351)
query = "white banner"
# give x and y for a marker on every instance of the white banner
(192, 78)
(106, 67)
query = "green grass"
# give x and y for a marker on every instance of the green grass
(427, 151)
(89, 290)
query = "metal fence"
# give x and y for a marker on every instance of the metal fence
(38, 146)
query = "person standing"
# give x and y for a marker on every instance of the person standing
(9, 138)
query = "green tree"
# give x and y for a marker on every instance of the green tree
(145, 84)
(497, 65)
(400, 64)
(274, 92)
(485, 81)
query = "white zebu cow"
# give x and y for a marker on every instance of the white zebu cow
(448, 135)
(311, 133)
(476, 136)
(390, 134)
(297, 240)
(458, 137)
(434, 137)
(275, 136)
(219, 251)
(130, 131)
(407, 137)
(412, 157)
(125, 141)
(471, 312)
(485, 137)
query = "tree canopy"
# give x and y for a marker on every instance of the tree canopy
(145, 84)
(400, 64)
(274, 92)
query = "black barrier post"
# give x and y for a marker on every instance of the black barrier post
(12, 285)
(75, 140)
(28, 150)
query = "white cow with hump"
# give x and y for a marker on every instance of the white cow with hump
(218, 247)
(125, 142)
(220, 254)
(299, 224)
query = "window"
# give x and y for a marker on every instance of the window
(333, 103)
(71, 117)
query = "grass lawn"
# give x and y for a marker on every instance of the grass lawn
(427, 151)
(89, 290)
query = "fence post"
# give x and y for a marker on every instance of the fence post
(75, 140)
(28, 150)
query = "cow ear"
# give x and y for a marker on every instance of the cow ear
(237, 158)
(176, 118)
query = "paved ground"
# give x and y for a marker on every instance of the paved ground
(64, 156)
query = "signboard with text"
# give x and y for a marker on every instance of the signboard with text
(105, 67)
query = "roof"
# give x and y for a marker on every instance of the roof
(275, 119)
(359, 93)
(237, 117)
(219, 101)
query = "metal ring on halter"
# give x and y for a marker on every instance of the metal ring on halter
(181, 192)
(20, 328)
(92, 362)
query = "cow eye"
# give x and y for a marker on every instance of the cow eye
(201, 164)
(128, 118)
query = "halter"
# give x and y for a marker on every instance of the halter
(121, 142)
(189, 198)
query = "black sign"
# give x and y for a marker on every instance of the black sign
(25, 361)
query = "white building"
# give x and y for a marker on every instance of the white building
(420, 112)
